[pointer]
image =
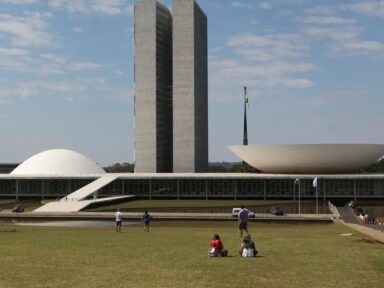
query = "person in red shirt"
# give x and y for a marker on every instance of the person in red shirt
(217, 247)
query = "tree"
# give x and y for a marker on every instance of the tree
(377, 167)
(120, 168)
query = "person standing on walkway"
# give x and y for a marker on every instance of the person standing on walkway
(243, 221)
(146, 219)
(119, 217)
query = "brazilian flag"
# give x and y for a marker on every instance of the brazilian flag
(246, 96)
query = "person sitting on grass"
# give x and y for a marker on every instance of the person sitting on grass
(216, 247)
(248, 248)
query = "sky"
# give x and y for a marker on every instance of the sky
(313, 69)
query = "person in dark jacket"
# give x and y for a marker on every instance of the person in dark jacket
(146, 219)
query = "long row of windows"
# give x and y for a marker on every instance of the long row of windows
(41, 187)
(156, 188)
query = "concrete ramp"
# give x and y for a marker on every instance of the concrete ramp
(60, 206)
(74, 202)
(89, 189)
(75, 206)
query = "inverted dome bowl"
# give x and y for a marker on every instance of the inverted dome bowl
(309, 158)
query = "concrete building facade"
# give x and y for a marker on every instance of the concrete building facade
(153, 87)
(60, 173)
(190, 87)
(171, 87)
(199, 186)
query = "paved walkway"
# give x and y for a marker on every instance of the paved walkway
(166, 216)
(350, 220)
(375, 234)
(347, 216)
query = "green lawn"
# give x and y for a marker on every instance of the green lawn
(173, 254)
(150, 204)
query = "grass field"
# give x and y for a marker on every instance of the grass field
(174, 254)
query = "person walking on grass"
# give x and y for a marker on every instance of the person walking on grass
(146, 219)
(119, 217)
(243, 221)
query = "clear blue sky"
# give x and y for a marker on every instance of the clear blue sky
(314, 72)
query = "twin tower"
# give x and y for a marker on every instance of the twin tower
(171, 87)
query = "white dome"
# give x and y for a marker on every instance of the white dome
(57, 162)
(309, 158)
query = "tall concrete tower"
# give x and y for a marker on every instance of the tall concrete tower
(153, 87)
(190, 87)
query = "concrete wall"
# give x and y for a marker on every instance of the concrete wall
(153, 80)
(164, 125)
(190, 112)
(201, 91)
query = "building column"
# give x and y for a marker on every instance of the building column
(324, 192)
(178, 189)
(69, 187)
(17, 189)
(234, 185)
(150, 189)
(42, 189)
(265, 188)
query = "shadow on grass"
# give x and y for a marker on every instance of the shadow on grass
(369, 241)
(254, 257)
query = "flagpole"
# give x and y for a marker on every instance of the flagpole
(245, 133)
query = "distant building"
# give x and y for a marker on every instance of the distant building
(171, 88)
(60, 173)
(153, 87)
(190, 87)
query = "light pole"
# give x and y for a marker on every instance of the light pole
(317, 202)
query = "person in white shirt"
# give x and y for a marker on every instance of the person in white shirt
(119, 217)
(248, 248)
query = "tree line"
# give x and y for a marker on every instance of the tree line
(213, 167)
